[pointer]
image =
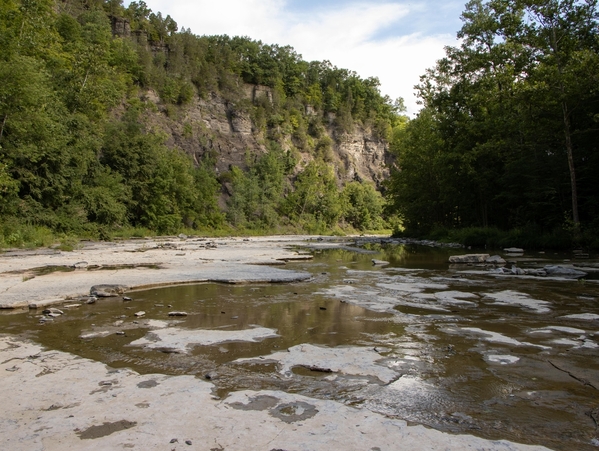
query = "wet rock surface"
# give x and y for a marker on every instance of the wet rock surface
(455, 349)
(40, 278)
(182, 406)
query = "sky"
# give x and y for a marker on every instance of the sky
(394, 40)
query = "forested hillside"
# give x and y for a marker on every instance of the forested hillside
(113, 118)
(509, 131)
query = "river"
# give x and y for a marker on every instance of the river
(453, 347)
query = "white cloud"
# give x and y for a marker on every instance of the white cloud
(346, 35)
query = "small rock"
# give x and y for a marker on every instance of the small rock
(561, 271)
(495, 260)
(106, 291)
(234, 317)
(140, 314)
(120, 332)
(177, 313)
(322, 308)
(182, 236)
(91, 300)
(127, 298)
(211, 375)
(500, 270)
(513, 250)
(379, 262)
(517, 271)
(469, 258)
(174, 440)
(80, 265)
(188, 442)
(53, 311)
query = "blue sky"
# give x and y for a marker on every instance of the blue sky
(394, 40)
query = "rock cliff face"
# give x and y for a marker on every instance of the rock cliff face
(225, 130)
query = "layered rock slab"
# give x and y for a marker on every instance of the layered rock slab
(54, 401)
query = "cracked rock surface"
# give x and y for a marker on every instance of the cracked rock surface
(54, 401)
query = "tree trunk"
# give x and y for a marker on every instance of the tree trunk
(567, 132)
(569, 152)
(3, 124)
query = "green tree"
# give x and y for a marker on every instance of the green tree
(315, 196)
(506, 116)
(362, 206)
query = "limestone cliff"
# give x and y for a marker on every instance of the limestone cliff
(226, 131)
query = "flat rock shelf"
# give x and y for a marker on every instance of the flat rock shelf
(294, 343)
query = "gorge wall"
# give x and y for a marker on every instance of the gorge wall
(225, 130)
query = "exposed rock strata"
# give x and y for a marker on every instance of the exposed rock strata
(224, 129)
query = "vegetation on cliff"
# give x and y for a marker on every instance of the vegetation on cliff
(78, 153)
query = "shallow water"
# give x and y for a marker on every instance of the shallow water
(453, 348)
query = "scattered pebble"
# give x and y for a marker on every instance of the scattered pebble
(54, 311)
(177, 313)
(140, 314)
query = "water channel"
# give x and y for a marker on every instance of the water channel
(455, 348)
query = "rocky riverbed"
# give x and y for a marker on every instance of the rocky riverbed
(340, 353)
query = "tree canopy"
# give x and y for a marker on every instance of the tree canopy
(508, 133)
(77, 153)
